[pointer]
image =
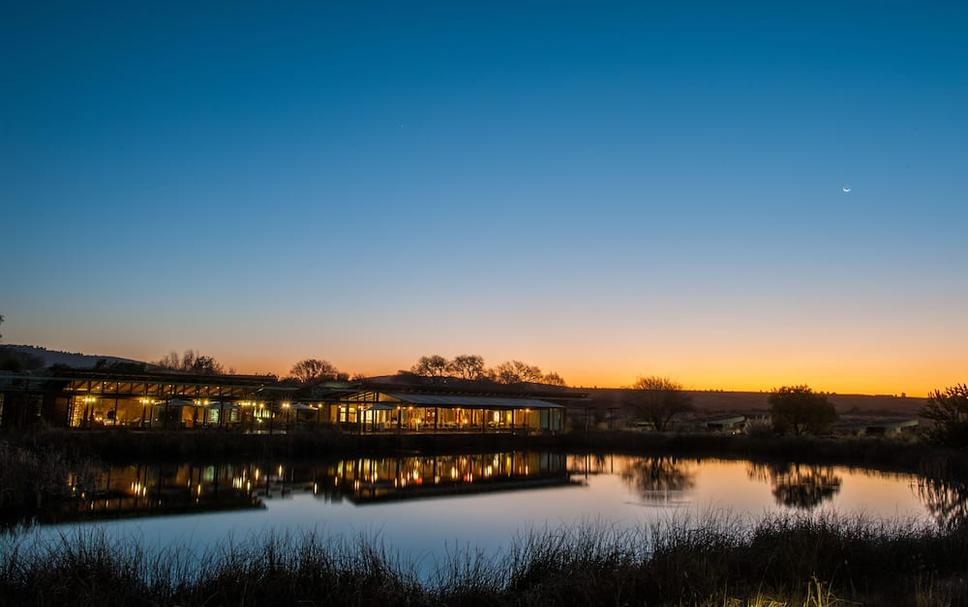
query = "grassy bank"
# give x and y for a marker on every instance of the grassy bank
(127, 445)
(789, 561)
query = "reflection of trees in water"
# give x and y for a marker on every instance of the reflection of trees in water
(658, 479)
(945, 499)
(798, 486)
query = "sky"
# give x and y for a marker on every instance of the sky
(604, 189)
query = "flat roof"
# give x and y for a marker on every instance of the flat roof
(471, 402)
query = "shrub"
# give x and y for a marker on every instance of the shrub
(799, 410)
(948, 409)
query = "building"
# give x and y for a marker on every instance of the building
(247, 403)
(406, 403)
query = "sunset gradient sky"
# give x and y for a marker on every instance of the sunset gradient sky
(607, 190)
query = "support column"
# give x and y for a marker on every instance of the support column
(117, 386)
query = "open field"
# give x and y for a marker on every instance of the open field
(721, 402)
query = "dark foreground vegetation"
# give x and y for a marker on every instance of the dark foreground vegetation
(815, 561)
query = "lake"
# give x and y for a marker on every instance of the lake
(425, 507)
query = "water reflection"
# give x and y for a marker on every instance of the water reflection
(946, 499)
(658, 479)
(798, 486)
(155, 489)
(303, 488)
(368, 480)
(152, 489)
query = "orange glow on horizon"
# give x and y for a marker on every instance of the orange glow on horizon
(884, 381)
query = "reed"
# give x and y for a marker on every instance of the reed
(815, 561)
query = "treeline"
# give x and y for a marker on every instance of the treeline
(472, 367)
(464, 366)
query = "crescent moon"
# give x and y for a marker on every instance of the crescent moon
(846, 188)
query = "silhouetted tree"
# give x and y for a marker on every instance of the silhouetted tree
(948, 409)
(467, 366)
(191, 362)
(314, 370)
(434, 365)
(1, 322)
(660, 400)
(553, 379)
(799, 410)
(517, 372)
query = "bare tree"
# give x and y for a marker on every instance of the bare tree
(192, 362)
(1, 322)
(170, 361)
(431, 366)
(467, 366)
(553, 379)
(660, 400)
(312, 370)
(517, 372)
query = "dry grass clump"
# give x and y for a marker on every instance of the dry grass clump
(817, 561)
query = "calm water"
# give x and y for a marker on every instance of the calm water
(426, 506)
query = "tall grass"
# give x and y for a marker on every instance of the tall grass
(781, 560)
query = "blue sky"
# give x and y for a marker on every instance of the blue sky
(607, 189)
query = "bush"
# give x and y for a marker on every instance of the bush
(799, 410)
(948, 409)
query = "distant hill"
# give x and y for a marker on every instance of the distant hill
(75, 360)
(714, 402)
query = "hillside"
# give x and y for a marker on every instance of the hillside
(75, 360)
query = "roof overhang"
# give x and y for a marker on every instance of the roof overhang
(471, 402)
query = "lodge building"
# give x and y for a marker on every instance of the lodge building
(252, 403)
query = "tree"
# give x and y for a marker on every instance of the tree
(948, 409)
(553, 379)
(660, 400)
(191, 362)
(314, 370)
(517, 372)
(1, 322)
(799, 410)
(434, 365)
(467, 366)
